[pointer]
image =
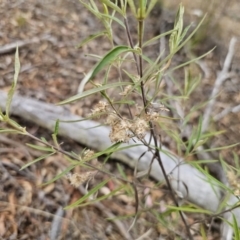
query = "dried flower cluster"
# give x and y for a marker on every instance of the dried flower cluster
(126, 90)
(120, 129)
(76, 179)
(88, 154)
(140, 127)
(123, 129)
(100, 108)
(153, 113)
(153, 116)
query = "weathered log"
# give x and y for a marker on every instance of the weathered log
(193, 185)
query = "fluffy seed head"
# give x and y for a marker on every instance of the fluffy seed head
(100, 108)
(76, 179)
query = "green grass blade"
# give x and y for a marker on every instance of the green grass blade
(60, 175)
(115, 19)
(155, 39)
(151, 6)
(93, 91)
(40, 148)
(235, 228)
(191, 34)
(189, 209)
(91, 37)
(11, 131)
(131, 4)
(190, 61)
(36, 160)
(112, 193)
(120, 170)
(109, 58)
(221, 148)
(86, 196)
(13, 87)
(113, 6)
(56, 127)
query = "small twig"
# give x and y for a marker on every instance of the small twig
(145, 235)
(12, 46)
(227, 111)
(56, 224)
(204, 68)
(24, 68)
(131, 44)
(222, 76)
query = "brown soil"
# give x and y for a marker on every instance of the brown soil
(51, 70)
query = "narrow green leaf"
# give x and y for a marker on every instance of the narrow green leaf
(56, 127)
(86, 196)
(184, 33)
(109, 57)
(113, 6)
(129, 102)
(132, 7)
(199, 143)
(236, 228)
(126, 216)
(36, 160)
(93, 91)
(212, 180)
(211, 134)
(63, 173)
(92, 9)
(151, 6)
(16, 125)
(189, 209)
(94, 6)
(41, 148)
(13, 87)
(191, 142)
(112, 150)
(190, 61)
(91, 37)
(203, 232)
(112, 193)
(55, 140)
(120, 170)
(221, 148)
(8, 130)
(236, 160)
(115, 19)
(198, 162)
(199, 129)
(191, 34)
(44, 139)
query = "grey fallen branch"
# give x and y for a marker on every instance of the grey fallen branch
(22, 43)
(186, 180)
(222, 76)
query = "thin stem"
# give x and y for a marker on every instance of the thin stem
(140, 36)
(157, 154)
(131, 43)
